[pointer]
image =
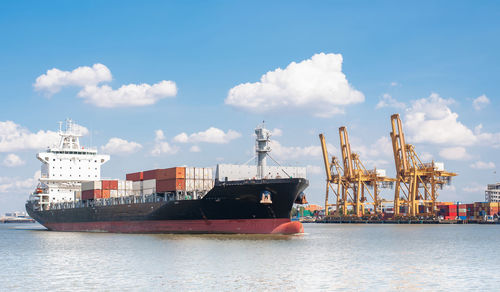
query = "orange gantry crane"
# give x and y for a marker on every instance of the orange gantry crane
(416, 182)
(352, 184)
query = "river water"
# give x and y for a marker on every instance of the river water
(327, 257)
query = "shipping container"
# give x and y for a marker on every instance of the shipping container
(137, 185)
(109, 184)
(148, 191)
(91, 185)
(91, 194)
(136, 176)
(149, 184)
(113, 193)
(198, 173)
(189, 185)
(170, 185)
(105, 194)
(189, 172)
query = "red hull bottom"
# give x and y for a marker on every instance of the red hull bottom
(241, 226)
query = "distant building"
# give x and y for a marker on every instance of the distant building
(492, 194)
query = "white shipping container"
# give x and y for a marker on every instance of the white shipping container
(189, 185)
(137, 185)
(149, 191)
(91, 185)
(439, 166)
(189, 172)
(113, 193)
(198, 173)
(198, 185)
(207, 185)
(149, 184)
(121, 184)
(381, 172)
(128, 184)
(207, 173)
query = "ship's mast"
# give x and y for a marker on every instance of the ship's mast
(262, 148)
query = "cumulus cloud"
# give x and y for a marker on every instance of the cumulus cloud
(314, 169)
(9, 184)
(292, 152)
(121, 146)
(483, 165)
(316, 84)
(454, 153)
(194, 148)
(161, 146)
(430, 120)
(14, 137)
(425, 156)
(55, 79)
(374, 154)
(276, 132)
(475, 188)
(488, 139)
(480, 102)
(211, 135)
(128, 95)
(388, 101)
(89, 79)
(13, 160)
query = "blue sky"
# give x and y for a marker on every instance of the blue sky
(429, 59)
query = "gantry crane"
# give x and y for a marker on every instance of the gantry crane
(352, 180)
(333, 178)
(416, 182)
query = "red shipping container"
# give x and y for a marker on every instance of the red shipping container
(170, 185)
(91, 194)
(175, 172)
(136, 176)
(109, 184)
(105, 194)
(151, 174)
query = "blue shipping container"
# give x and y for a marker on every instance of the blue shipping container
(462, 217)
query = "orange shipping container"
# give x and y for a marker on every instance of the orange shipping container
(105, 194)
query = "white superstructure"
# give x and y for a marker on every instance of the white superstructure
(65, 166)
(492, 194)
(232, 172)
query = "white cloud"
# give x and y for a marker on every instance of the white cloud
(9, 184)
(128, 95)
(482, 165)
(480, 102)
(276, 132)
(292, 152)
(388, 101)
(14, 137)
(13, 160)
(161, 146)
(211, 135)
(394, 83)
(425, 156)
(317, 85)
(89, 79)
(381, 148)
(488, 139)
(314, 169)
(430, 120)
(194, 148)
(120, 146)
(55, 79)
(454, 153)
(475, 188)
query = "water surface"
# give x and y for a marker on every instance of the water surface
(327, 257)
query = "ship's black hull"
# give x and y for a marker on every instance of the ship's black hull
(230, 207)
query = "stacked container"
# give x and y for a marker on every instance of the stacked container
(199, 179)
(462, 211)
(159, 180)
(91, 190)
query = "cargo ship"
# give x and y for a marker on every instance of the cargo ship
(246, 199)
